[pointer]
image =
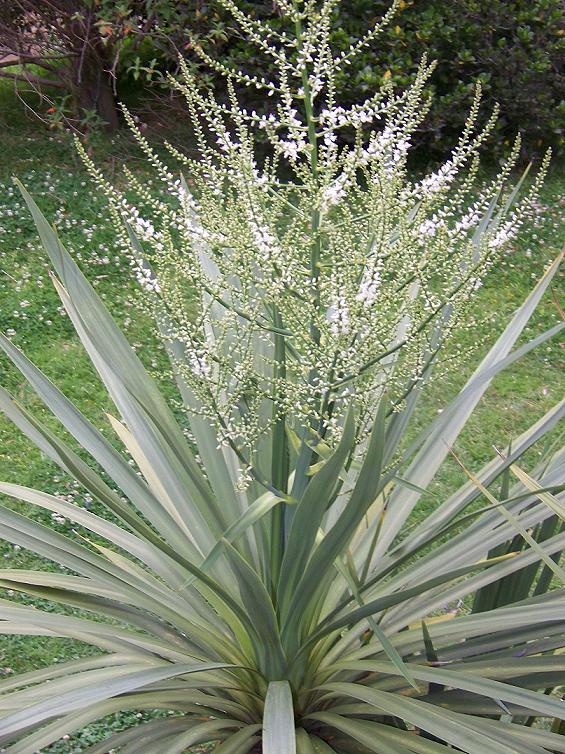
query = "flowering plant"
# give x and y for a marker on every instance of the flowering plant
(258, 576)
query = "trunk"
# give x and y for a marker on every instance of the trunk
(91, 82)
(94, 92)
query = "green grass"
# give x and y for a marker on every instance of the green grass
(30, 313)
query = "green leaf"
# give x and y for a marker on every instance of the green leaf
(546, 497)
(221, 464)
(142, 591)
(459, 730)
(541, 703)
(251, 516)
(382, 739)
(67, 724)
(304, 744)
(349, 575)
(147, 553)
(516, 523)
(279, 735)
(309, 514)
(332, 622)
(141, 405)
(257, 602)
(94, 442)
(200, 733)
(447, 511)
(336, 541)
(64, 702)
(240, 742)
(320, 746)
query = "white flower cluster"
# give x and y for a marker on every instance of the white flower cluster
(199, 365)
(143, 228)
(469, 220)
(145, 278)
(292, 149)
(430, 227)
(370, 284)
(334, 192)
(388, 144)
(338, 316)
(265, 242)
(505, 233)
(289, 275)
(441, 179)
(356, 116)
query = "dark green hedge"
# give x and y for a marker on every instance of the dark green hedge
(515, 47)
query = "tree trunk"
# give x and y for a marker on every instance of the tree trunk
(91, 82)
(93, 92)
(64, 38)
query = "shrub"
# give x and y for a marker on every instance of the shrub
(256, 574)
(513, 48)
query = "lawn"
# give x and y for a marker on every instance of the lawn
(31, 315)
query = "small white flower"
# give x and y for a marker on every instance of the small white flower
(502, 236)
(199, 365)
(265, 242)
(430, 227)
(338, 316)
(333, 193)
(146, 279)
(292, 148)
(369, 286)
(435, 182)
(468, 221)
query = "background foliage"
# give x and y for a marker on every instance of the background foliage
(515, 47)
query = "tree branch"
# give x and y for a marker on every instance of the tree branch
(23, 58)
(38, 80)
